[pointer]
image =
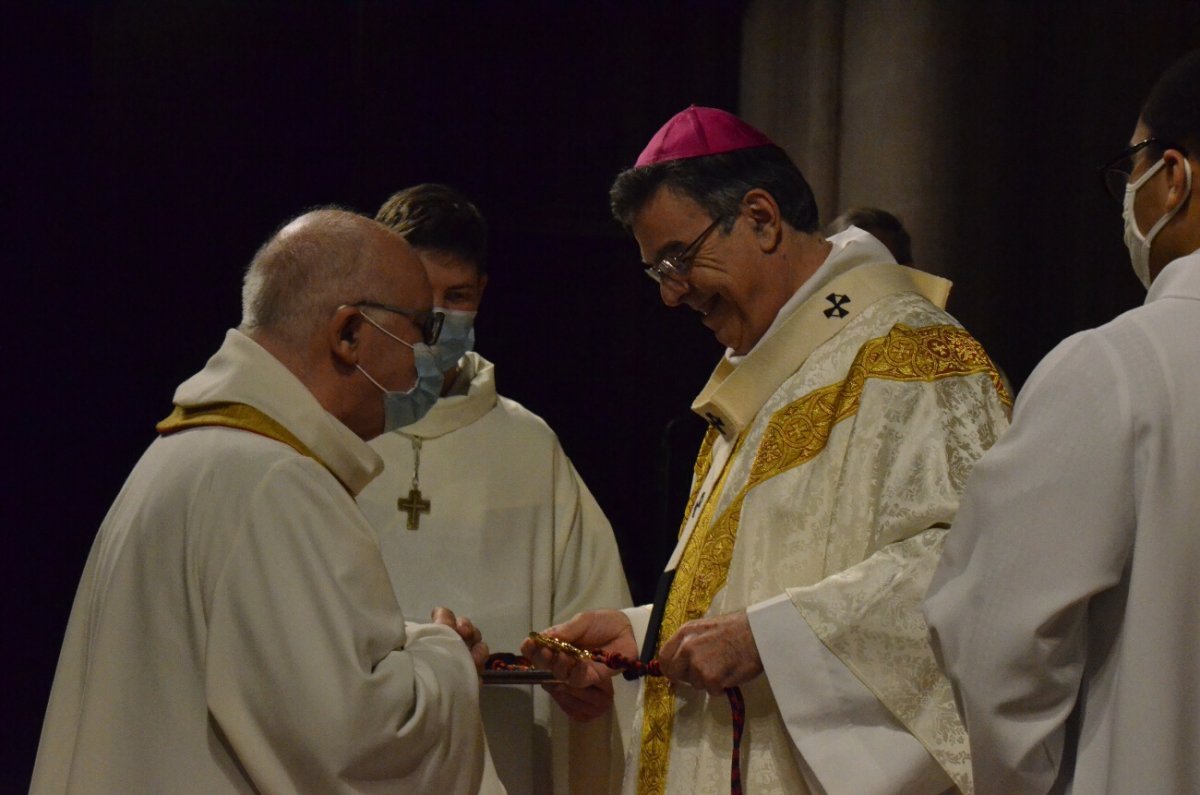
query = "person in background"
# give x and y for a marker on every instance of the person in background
(480, 507)
(1064, 608)
(885, 227)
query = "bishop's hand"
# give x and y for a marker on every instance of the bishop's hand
(595, 630)
(712, 654)
(467, 631)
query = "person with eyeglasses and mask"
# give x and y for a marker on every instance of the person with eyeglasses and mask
(479, 506)
(235, 630)
(844, 419)
(1064, 608)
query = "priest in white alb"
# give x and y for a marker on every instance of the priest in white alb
(844, 417)
(235, 630)
(479, 507)
(1065, 608)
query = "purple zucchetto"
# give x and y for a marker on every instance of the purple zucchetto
(699, 132)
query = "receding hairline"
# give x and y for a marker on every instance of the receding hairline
(314, 262)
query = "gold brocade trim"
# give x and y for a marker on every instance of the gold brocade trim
(798, 432)
(659, 699)
(795, 434)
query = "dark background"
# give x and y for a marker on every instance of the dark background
(152, 148)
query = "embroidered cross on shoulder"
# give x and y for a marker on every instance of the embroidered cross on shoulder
(837, 309)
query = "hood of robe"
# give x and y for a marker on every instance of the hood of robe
(242, 371)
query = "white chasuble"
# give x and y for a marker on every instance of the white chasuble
(839, 447)
(515, 541)
(235, 630)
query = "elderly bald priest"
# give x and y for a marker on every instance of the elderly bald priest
(235, 630)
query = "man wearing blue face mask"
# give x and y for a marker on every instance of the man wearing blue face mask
(478, 504)
(234, 630)
(1065, 603)
(409, 406)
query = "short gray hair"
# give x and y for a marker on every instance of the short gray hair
(312, 265)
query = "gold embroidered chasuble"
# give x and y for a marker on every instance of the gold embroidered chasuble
(837, 451)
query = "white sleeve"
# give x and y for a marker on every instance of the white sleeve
(639, 620)
(588, 572)
(588, 575)
(1045, 525)
(313, 678)
(846, 741)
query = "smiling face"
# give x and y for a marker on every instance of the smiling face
(729, 282)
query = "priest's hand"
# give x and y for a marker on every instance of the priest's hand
(712, 653)
(467, 631)
(583, 703)
(595, 630)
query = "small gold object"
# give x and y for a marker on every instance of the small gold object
(560, 646)
(416, 504)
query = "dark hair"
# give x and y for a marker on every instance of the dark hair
(880, 223)
(437, 217)
(718, 183)
(1172, 111)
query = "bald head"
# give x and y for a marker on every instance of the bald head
(310, 267)
(298, 302)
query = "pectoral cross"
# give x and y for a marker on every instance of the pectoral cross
(414, 506)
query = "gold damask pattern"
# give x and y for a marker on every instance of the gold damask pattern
(658, 702)
(794, 435)
(799, 431)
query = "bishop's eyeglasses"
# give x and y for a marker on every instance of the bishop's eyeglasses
(430, 323)
(679, 264)
(1116, 172)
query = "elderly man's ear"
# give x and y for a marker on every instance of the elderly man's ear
(343, 332)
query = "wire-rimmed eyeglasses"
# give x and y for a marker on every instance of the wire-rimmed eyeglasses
(1116, 172)
(679, 264)
(430, 323)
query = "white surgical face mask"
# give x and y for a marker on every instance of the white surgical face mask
(1139, 245)
(457, 337)
(405, 408)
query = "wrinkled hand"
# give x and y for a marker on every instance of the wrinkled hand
(467, 631)
(712, 653)
(583, 703)
(595, 630)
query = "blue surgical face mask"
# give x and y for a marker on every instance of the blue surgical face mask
(405, 408)
(457, 337)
